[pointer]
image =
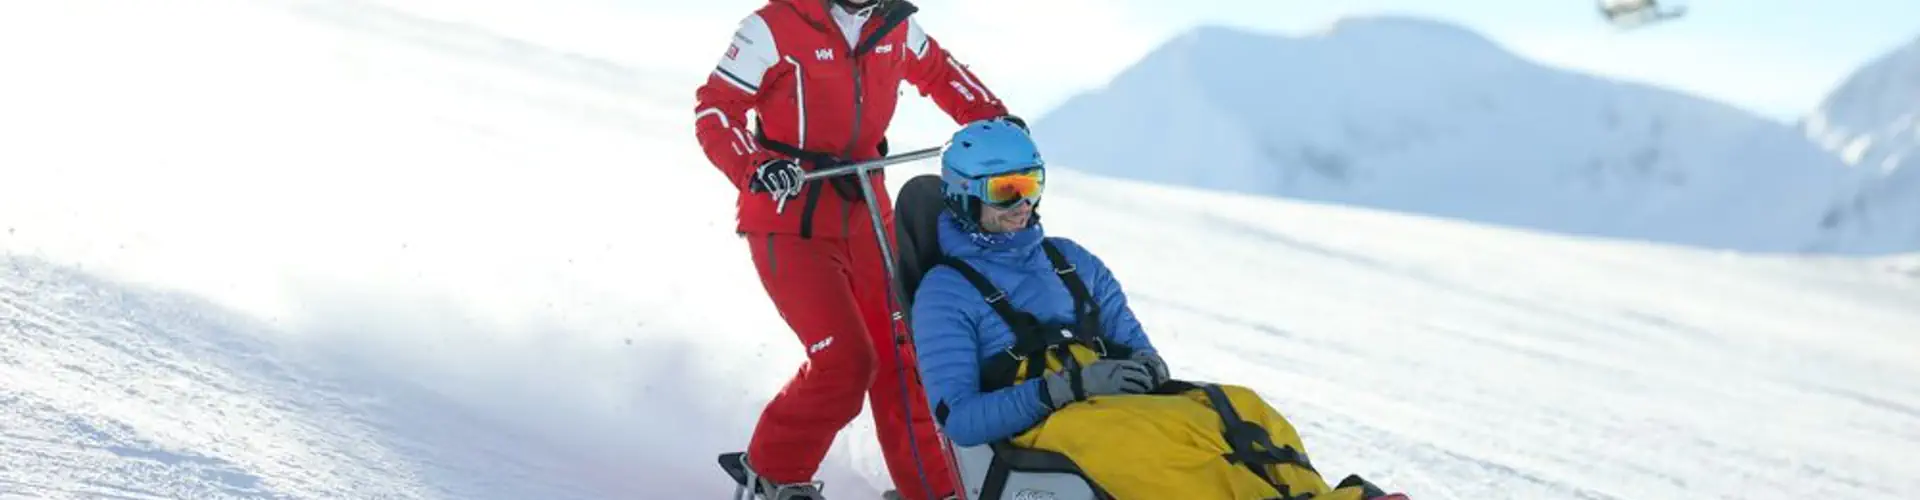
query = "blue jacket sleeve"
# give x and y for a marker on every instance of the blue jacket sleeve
(946, 339)
(1115, 316)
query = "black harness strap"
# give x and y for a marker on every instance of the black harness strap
(815, 159)
(1084, 308)
(1251, 444)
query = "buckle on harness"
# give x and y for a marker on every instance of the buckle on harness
(1098, 344)
(1095, 342)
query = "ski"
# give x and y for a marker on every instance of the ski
(735, 464)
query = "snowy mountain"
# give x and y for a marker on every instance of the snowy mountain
(1872, 121)
(338, 252)
(1424, 117)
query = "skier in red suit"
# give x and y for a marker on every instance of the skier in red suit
(822, 76)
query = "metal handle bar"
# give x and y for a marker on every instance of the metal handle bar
(915, 155)
(863, 167)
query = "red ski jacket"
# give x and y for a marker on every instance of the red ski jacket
(823, 82)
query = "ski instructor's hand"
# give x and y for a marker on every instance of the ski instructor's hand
(780, 178)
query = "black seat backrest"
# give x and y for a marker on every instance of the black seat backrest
(916, 232)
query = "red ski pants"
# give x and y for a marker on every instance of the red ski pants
(833, 293)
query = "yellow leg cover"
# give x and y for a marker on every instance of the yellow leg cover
(1152, 447)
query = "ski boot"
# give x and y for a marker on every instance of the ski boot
(750, 486)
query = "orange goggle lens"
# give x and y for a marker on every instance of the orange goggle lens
(1007, 189)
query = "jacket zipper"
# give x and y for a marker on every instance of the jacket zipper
(859, 104)
(859, 101)
(859, 94)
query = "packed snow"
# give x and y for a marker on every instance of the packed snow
(338, 250)
(1429, 118)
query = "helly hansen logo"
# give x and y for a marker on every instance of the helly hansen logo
(733, 51)
(819, 346)
(883, 49)
(823, 54)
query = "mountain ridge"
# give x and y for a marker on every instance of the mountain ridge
(1871, 121)
(1466, 130)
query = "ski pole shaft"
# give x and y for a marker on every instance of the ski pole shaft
(863, 167)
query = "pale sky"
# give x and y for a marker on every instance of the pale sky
(1777, 58)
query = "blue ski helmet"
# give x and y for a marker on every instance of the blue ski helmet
(979, 151)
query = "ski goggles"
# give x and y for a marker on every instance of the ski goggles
(1011, 188)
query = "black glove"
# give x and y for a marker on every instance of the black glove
(780, 177)
(784, 179)
(1101, 378)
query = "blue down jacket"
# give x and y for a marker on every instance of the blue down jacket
(955, 331)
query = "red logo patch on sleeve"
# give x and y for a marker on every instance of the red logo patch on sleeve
(733, 51)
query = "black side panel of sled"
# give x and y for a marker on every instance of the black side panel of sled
(916, 234)
(736, 465)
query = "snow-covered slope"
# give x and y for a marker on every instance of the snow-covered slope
(115, 391)
(349, 253)
(451, 268)
(1418, 116)
(1873, 122)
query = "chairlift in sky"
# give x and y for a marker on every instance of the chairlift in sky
(1628, 14)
